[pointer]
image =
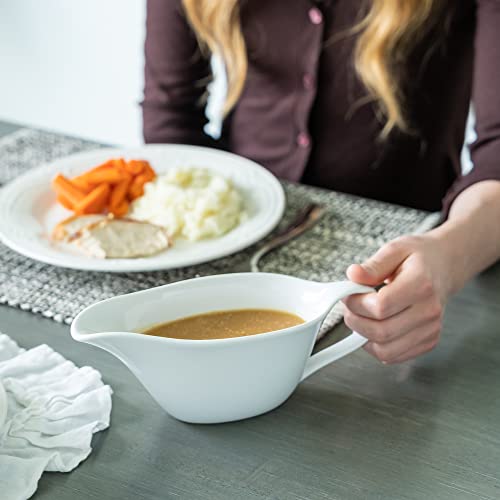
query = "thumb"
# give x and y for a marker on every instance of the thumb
(380, 265)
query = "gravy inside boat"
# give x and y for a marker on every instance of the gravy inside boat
(226, 324)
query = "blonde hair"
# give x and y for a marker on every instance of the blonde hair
(388, 33)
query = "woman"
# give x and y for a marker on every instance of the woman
(366, 97)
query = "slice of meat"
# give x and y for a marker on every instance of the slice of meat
(70, 226)
(121, 239)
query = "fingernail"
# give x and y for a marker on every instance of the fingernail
(366, 267)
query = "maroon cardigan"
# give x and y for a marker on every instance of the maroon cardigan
(297, 115)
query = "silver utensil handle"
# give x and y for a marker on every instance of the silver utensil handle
(306, 219)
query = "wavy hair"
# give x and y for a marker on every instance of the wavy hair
(387, 35)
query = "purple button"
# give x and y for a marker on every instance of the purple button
(303, 140)
(308, 81)
(315, 15)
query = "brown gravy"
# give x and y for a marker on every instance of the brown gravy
(226, 324)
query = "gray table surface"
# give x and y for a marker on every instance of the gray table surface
(426, 429)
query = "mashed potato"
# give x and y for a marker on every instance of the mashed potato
(193, 203)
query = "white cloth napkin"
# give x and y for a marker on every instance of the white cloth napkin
(53, 410)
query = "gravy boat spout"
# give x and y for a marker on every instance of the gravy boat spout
(219, 380)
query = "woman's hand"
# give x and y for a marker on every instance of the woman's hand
(403, 319)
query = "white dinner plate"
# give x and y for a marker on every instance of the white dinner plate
(28, 208)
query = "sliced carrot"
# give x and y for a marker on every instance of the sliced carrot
(82, 180)
(106, 164)
(136, 188)
(121, 209)
(135, 191)
(119, 193)
(95, 202)
(149, 172)
(65, 202)
(115, 181)
(65, 187)
(82, 184)
(119, 163)
(108, 175)
(135, 167)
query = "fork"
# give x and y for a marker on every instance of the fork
(304, 221)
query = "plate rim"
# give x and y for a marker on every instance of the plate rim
(141, 265)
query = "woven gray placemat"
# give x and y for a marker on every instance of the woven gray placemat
(26, 148)
(351, 230)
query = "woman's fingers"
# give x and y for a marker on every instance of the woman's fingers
(406, 277)
(406, 346)
(415, 351)
(403, 291)
(420, 314)
(380, 265)
(409, 284)
(366, 305)
(404, 318)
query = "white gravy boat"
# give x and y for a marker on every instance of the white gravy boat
(3, 405)
(220, 380)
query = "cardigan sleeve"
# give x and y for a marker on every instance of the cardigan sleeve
(176, 78)
(485, 151)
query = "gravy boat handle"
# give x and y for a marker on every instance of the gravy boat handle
(354, 341)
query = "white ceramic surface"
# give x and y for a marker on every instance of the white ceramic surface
(209, 381)
(28, 209)
(3, 405)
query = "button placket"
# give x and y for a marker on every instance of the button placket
(315, 15)
(308, 82)
(303, 140)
